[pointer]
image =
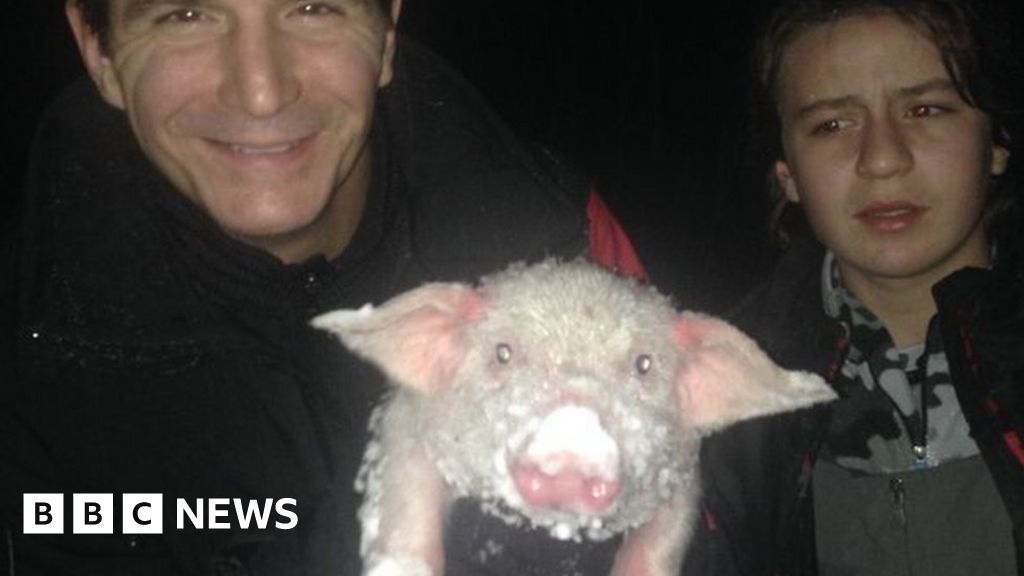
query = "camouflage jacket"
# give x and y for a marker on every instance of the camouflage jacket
(758, 500)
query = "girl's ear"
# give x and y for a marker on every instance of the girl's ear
(1000, 158)
(785, 180)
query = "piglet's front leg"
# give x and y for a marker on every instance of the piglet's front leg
(656, 548)
(402, 515)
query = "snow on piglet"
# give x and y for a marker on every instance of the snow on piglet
(562, 394)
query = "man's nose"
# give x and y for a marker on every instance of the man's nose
(884, 150)
(258, 78)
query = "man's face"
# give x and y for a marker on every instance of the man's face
(890, 164)
(256, 110)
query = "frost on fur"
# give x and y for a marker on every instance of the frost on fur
(557, 394)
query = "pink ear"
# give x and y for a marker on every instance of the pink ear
(724, 377)
(416, 338)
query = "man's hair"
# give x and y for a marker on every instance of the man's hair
(97, 16)
(974, 43)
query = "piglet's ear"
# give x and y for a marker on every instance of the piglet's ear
(724, 377)
(416, 338)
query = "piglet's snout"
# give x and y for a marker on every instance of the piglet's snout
(568, 462)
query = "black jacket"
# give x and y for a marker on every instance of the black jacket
(758, 501)
(146, 352)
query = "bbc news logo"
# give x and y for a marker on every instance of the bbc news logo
(143, 514)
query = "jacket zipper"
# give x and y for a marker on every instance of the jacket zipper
(898, 500)
(919, 435)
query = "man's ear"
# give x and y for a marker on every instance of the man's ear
(387, 63)
(94, 55)
(785, 180)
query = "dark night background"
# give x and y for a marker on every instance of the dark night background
(645, 97)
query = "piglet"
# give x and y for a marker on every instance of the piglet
(558, 394)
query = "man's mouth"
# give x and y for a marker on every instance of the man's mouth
(262, 149)
(278, 149)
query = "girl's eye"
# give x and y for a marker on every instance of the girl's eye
(503, 353)
(925, 111)
(643, 364)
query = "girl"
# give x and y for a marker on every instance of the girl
(893, 145)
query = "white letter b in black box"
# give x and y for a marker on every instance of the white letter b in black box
(43, 514)
(93, 514)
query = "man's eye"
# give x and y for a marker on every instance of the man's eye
(182, 16)
(830, 126)
(317, 9)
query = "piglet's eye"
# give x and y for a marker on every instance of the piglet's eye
(643, 364)
(503, 352)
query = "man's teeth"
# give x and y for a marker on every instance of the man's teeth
(254, 150)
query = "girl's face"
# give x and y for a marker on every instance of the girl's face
(891, 165)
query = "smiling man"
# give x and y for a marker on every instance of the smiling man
(233, 169)
(258, 112)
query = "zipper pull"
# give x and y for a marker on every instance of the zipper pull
(899, 510)
(920, 455)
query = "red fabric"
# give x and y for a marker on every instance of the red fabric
(709, 519)
(609, 245)
(1013, 443)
